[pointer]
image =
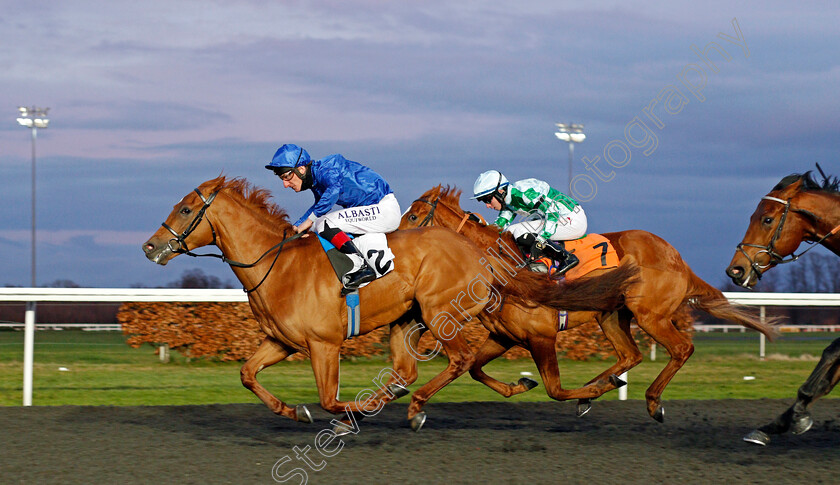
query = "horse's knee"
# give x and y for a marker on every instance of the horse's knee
(682, 352)
(462, 362)
(248, 377)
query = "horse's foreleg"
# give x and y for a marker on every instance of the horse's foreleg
(324, 357)
(545, 356)
(269, 353)
(616, 328)
(460, 359)
(822, 380)
(494, 346)
(403, 340)
(403, 336)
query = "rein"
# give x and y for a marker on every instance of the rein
(182, 248)
(775, 257)
(429, 220)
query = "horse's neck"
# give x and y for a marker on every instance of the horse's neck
(479, 234)
(484, 236)
(243, 235)
(826, 206)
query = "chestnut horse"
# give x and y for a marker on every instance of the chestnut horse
(294, 293)
(665, 285)
(797, 209)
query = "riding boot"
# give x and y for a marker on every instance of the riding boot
(525, 242)
(557, 251)
(533, 256)
(365, 274)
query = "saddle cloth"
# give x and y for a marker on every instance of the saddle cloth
(375, 248)
(594, 252)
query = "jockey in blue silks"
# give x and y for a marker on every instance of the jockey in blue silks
(368, 203)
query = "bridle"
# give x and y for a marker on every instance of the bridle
(429, 220)
(770, 249)
(180, 241)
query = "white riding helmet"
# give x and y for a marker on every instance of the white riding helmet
(488, 183)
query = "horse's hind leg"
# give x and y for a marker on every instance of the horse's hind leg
(680, 348)
(493, 347)
(269, 353)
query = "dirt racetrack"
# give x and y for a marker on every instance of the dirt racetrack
(485, 443)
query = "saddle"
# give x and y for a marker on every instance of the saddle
(374, 247)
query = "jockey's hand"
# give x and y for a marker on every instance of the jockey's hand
(305, 225)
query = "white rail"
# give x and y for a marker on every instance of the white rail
(33, 295)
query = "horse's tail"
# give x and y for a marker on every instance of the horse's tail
(604, 293)
(709, 299)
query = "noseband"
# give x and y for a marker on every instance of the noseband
(775, 257)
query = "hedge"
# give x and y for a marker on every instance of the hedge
(228, 331)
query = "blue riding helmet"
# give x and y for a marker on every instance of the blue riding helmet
(288, 157)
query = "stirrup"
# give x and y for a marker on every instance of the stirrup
(354, 280)
(565, 265)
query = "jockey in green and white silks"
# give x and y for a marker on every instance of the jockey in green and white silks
(559, 217)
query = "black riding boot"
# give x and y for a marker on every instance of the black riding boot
(557, 250)
(525, 243)
(365, 274)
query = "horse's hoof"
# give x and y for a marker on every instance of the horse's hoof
(583, 407)
(802, 424)
(302, 414)
(659, 414)
(341, 429)
(418, 421)
(616, 381)
(528, 383)
(758, 437)
(397, 390)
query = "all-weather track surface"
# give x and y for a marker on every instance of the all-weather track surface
(484, 443)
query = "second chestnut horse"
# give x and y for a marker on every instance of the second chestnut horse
(665, 284)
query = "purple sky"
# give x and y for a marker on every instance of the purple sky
(150, 99)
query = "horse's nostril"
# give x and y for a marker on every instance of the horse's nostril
(149, 247)
(735, 271)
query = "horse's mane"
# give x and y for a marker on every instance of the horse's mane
(830, 184)
(251, 195)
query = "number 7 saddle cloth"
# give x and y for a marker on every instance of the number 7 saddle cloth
(594, 252)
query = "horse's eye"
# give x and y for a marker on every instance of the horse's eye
(185, 210)
(767, 220)
(412, 217)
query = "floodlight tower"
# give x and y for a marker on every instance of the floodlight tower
(572, 133)
(32, 118)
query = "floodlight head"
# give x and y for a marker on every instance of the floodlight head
(27, 122)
